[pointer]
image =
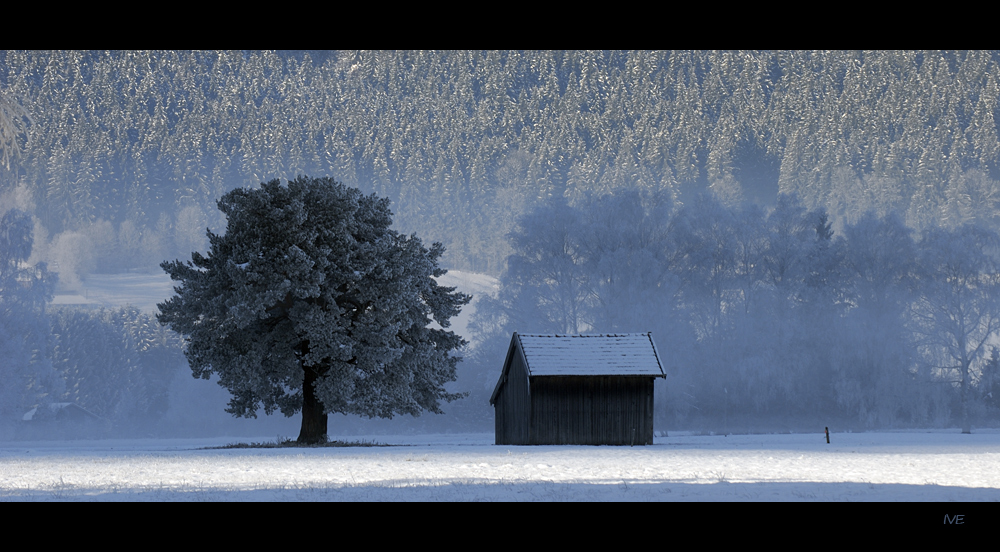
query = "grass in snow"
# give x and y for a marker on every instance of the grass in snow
(285, 442)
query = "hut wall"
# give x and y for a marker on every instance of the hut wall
(591, 410)
(512, 406)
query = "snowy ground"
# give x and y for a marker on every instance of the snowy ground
(903, 466)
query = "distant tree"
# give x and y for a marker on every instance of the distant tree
(989, 381)
(73, 255)
(544, 288)
(625, 253)
(705, 242)
(875, 367)
(959, 307)
(26, 373)
(309, 302)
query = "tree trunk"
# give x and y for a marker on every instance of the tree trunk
(313, 418)
(966, 423)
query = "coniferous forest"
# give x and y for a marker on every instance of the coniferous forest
(813, 233)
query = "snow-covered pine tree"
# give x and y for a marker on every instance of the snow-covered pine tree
(14, 120)
(310, 302)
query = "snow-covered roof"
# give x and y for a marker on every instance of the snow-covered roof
(591, 355)
(55, 408)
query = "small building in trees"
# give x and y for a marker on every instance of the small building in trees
(577, 390)
(64, 420)
(60, 412)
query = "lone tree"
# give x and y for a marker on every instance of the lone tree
(310, 302)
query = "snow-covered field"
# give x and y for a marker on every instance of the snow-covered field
(899, 466)
(142, 291)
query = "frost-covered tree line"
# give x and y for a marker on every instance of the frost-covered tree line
(117, 364)
(25, 371)
(763, 315)
(130, 149)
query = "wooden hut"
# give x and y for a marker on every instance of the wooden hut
(577, 390)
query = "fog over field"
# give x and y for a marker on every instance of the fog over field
(810, 237)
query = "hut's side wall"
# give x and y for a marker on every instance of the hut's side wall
(512, 405)
(592, 410)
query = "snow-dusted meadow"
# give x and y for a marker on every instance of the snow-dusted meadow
(898, 466)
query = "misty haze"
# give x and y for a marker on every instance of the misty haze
(811, 238)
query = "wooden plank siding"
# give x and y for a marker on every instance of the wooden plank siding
(513, 403)
(589, 410)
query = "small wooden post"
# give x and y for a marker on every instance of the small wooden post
(827, 435)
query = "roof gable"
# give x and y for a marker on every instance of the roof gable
(583, 355)
(591, 355)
